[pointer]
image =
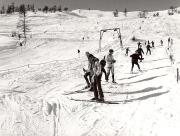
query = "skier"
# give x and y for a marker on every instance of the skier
(145, 43)
(96, 80)
(89, 71)
(169, 40)
(148, 47)
(110, 65)
(139, 44)
(152, 44)
(171, 57)
(127, 51)
(140, 52)
(78, 53)
(161, 42)
(135, 57)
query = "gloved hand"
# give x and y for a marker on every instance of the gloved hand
(84, 70)
(114, 61)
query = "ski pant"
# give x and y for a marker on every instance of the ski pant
(97, 87)
(110, 69)
(141, 56)
(148, 50)
(133, 65)
(86, 75)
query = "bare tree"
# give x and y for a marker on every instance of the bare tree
(23, 22)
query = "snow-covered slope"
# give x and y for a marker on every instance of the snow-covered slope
(49, 69)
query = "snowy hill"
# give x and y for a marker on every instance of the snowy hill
(48, 69)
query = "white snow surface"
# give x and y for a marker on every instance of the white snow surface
(48, 69)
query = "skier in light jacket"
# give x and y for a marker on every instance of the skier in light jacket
(110, 65)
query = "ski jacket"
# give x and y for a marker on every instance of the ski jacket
(97, 69)
(91, 62)
(135, 57)
(110, 60)
(148, 46)
(140, 51)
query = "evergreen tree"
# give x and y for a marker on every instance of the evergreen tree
(12, 7)
(66, 9)
(9, 11)
(3, 10)
(45, 9)
(59, 8)
(54, 8)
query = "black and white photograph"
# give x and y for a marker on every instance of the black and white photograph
(89, 67)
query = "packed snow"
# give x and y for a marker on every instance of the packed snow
(46, 72)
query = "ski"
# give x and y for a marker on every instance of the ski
(83, 90)
(104, 102)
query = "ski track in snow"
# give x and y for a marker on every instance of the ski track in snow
(49, 70)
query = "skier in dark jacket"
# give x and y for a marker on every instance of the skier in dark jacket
(169, 40)
(127, 51)
(135, 57)
(96, 80)
(152, 44)
(148, 47)
(140, 52)
(161, 42)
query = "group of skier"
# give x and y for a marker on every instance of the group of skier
(93, 73)
(96, 67)
(138, 55)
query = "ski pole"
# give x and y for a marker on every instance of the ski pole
(177, 75)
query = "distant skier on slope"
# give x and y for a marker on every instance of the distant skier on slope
(96, 80)
(127, 51)
(139, 44)
(135, 57)
(140, 52)
(110, 65)
(171, 57)
(148, 47)
(152, 44)
(79, 53)
(89, 72)
(169, 40)
(161, 42)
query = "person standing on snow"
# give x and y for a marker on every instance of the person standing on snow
(152, 44)
(96, 80)
(79, 53)
(89, 72)
(127, 51)
(135, 57)
(140, 52)
(110, 65)
(161, 42)
(148, 47)
(169, 40)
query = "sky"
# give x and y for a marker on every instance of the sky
(106, 5)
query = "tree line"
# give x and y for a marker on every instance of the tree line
(12, 8)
